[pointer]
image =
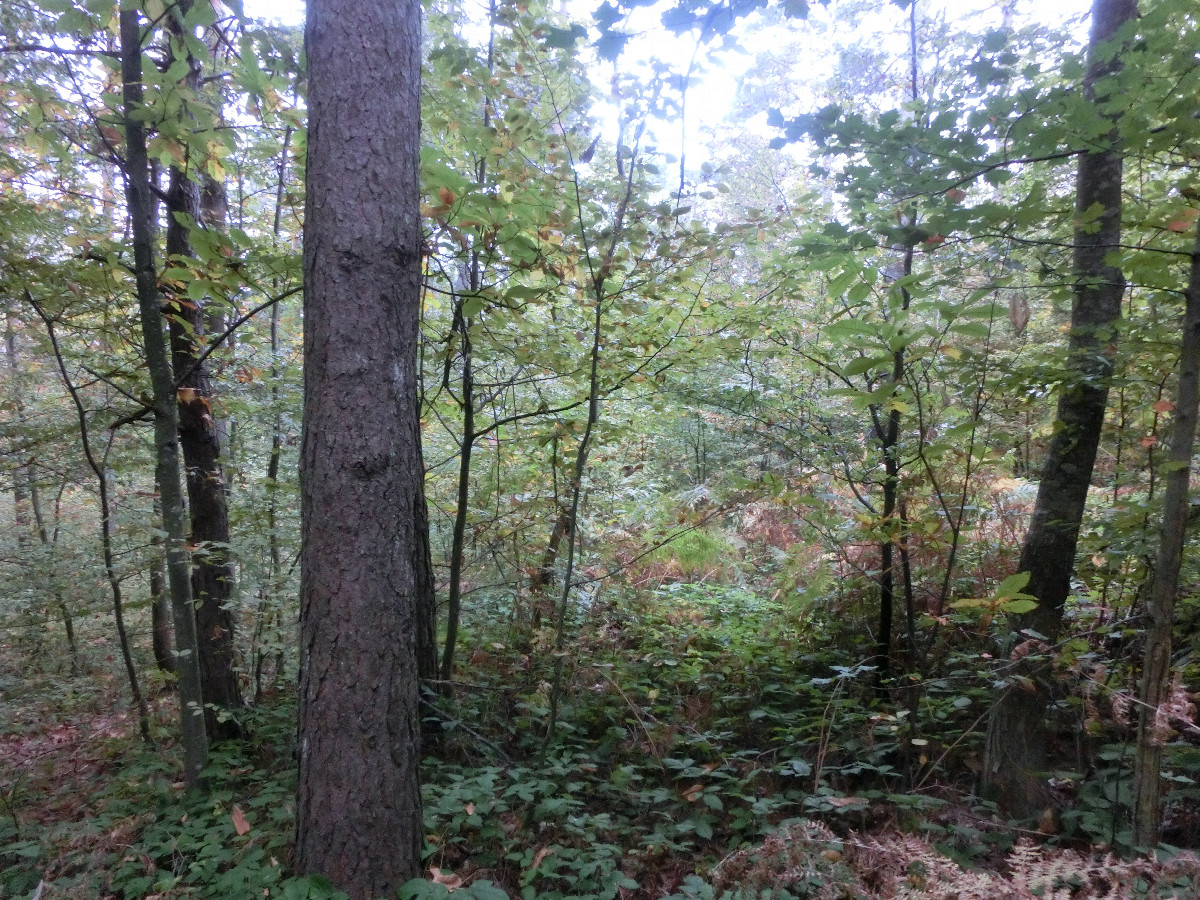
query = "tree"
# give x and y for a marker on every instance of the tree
(167, 471)
(199, 438)
(1016, 733)
(366, 582)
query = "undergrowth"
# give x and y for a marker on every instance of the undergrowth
(712, 742)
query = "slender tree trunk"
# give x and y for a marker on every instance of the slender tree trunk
(1016, 744)
(366, 579)
(49, 542)
(199, 437)
(160, 605)
(1164, 585)
(888, 432)
(274, 579)
(166, 441)
(99, 468)
(26, 496)
(467, 384)
(458, 537)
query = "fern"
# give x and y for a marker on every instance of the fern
(807, 860)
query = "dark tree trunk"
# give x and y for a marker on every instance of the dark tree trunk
(1164, 584)
(466, 446)
(366, 579)
(160, 608)
(166, 425)
(212, 571)
(1016, 731)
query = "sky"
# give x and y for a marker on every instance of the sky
(714, 89)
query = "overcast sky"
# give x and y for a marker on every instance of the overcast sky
(712, 92)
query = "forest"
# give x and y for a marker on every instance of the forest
(443, 451)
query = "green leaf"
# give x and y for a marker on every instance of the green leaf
(1019, 607)
(564, 38)
(1013, 585)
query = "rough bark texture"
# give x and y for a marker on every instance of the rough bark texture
(1164, 584)
(366, 585)
(199, 437)
(158, 363)
(1016, 734)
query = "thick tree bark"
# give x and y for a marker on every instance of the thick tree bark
(1016, 732)
(158, 363)
(199, 437)
(366, 579)
(1164, 584)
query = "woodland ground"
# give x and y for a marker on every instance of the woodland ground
(711, 739)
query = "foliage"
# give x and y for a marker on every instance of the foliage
(697, 709)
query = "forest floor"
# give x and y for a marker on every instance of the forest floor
(700, 755)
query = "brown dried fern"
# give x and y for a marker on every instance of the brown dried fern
(809, 861)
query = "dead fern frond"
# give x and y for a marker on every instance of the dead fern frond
(809, 861)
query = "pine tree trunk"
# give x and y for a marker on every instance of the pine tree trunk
(366, 579)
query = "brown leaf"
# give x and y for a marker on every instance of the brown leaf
(449, 879)
(240, 825)
(1163, 406)
(470, 808)
(539, 856)
(845, 801)
(1183, 221)
(1018, 313)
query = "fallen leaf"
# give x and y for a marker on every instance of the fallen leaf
(240, 825)
(1163, 406)
(845, 801)
(451, 881)
(470, 808)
